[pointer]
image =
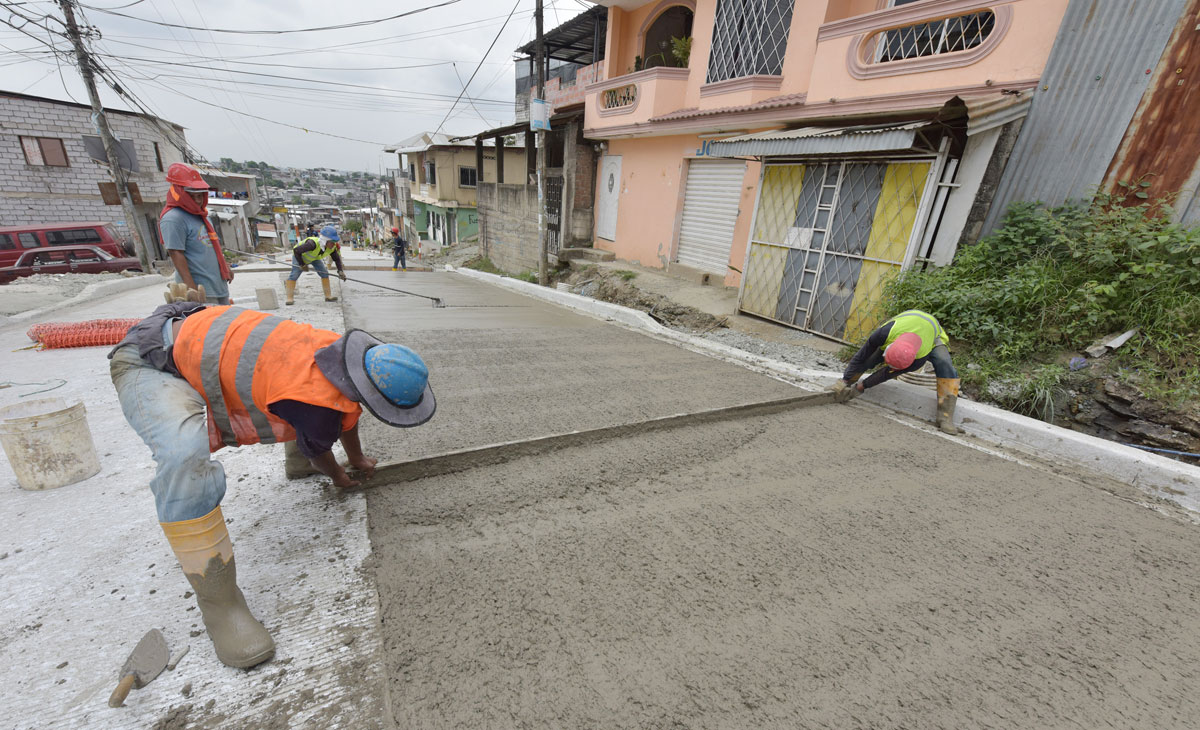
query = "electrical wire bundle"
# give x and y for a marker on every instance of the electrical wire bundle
(93, 333)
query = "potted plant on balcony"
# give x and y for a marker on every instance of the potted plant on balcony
(681, 50)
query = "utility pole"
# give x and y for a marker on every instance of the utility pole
(106, 136)
(543, 261)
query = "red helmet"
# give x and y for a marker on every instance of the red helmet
(395, 229)
(186, 176)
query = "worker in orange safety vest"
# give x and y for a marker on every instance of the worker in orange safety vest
(193, 379)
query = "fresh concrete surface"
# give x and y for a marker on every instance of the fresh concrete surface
(829, 567)
(85, 570)
(1159, 476)
(824, 568)
(506, 367)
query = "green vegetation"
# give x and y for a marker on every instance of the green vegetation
(625, 274)
(1050, 282)
(484, 264)
(353, 226)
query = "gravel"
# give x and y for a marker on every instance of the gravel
(795, 354)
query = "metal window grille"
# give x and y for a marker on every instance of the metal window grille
(948, 35)
(749, 38)
(827, 238)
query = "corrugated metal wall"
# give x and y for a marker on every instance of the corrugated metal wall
(1091, 87)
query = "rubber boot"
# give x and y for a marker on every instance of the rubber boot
(291, 292)
(295, 464)
(329, 297)
(205, 552)
(947, 399)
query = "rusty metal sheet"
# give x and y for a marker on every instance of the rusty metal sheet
(1090, 89)
(1162, 144)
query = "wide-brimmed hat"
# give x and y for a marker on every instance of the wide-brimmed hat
(392, 383)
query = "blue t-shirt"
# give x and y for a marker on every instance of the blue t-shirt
(182, 231)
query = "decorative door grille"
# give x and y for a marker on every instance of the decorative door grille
(554, 191)
(827, 238)
(749, 38)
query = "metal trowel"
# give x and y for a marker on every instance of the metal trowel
(146, 662)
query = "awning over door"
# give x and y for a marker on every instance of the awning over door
(900, 137)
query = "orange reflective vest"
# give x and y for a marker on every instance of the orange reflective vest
(242, 361)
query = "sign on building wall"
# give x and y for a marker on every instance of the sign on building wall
(539, 114)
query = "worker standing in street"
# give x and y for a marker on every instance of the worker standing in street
(310, 252)
(399, 249)
(189, 237)
(903, 344)
(261, 379)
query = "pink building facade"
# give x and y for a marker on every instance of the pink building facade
(807, 151)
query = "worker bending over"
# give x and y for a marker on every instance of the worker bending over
(310, 252)
(903, 344)
(261, 379)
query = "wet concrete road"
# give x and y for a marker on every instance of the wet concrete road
(828, 567)
(505, 366)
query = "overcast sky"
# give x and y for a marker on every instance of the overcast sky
(416, 64)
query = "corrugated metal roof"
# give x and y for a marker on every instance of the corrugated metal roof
(1091, 87)
(821, 141)
(989, 112)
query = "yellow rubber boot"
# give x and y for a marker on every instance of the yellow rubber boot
(291, 291)
(329, 297)
(947, 400)
(295, 464)
(205, 552)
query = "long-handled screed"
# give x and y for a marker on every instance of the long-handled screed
(438, 303)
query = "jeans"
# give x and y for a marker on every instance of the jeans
(168, 414)
(318, 266)
(398, 258)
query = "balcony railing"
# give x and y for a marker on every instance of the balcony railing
(636, 97)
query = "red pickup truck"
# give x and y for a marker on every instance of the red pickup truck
(67, 260)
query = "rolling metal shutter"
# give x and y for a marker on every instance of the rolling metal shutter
(710, 210)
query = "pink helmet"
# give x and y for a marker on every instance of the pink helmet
(900, 354)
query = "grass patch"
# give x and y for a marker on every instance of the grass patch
(1054, 280)
(484, 264)
(625, 275)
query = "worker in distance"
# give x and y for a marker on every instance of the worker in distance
(311, 252)
(192, 379)
(189, 237)
(904, 344)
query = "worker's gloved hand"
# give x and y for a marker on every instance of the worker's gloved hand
(304, 267)
(844, 392)
(179, 292)
(342, 275)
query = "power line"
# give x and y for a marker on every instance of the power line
(312, 81)
(479, 65)
(356, 24)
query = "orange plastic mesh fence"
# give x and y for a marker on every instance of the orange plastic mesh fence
(53, 335)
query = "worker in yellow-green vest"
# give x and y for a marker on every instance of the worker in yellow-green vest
(310, 252)
(903, 344)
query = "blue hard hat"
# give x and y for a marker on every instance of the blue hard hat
(330, 232)
(398, 373)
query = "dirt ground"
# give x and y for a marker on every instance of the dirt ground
(826, 568)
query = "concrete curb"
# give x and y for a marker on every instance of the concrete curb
(1156, 475)
(92, 291)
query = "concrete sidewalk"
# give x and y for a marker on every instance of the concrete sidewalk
(85, 570)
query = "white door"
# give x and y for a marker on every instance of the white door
(710, 210)
(609, 194)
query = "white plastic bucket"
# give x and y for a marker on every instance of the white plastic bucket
(48, 443)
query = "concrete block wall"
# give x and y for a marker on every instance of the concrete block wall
(42, 194)
(508, 226)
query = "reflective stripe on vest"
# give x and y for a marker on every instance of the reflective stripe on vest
(210, 374)
(904, 329)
